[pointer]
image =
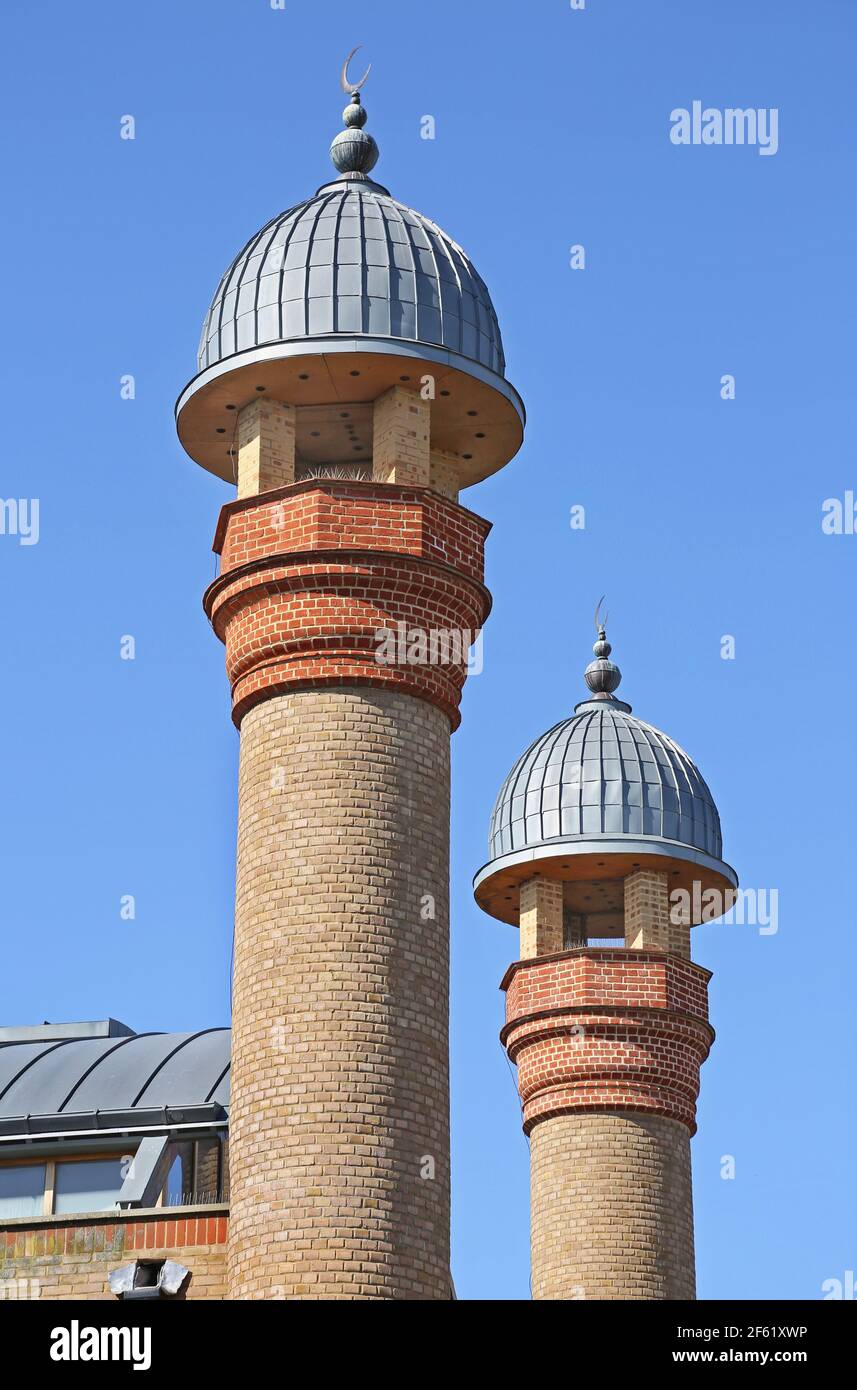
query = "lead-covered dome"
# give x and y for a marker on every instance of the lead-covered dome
(352, 260)
(598, 796)
(604, 772)
(339, 299)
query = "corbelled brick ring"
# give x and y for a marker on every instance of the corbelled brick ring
(606, 1029)
(313, 571)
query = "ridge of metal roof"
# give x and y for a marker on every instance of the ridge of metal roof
(86, 1082)
(59, 1032)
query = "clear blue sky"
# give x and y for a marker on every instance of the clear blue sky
(703, 516)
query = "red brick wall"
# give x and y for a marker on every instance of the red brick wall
(322, 515)
(597, 1030)
(312, 572)
(72, 1258)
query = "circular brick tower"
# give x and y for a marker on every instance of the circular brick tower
(605, 849)
(351, 381)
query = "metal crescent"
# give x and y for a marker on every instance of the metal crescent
(352, 87)
(602, 622)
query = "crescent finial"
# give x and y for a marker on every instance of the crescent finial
(351, 87)
(602, 675)
(600, 622)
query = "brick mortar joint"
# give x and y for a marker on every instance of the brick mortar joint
(609, 1107)
(404, 492)
(290, 559)
(119, 1217)
(243, 704)
(664, 1022)
(595, 1089)
(294, 650)
(610, 953)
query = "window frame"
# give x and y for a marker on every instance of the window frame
(50, 1165)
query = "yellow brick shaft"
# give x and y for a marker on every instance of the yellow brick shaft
(611, 1208)
(339, 1126)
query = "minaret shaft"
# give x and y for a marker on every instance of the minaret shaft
(611, 1208)
(339, 1123)
(351, 381)
(608, 1044)
(605, 832)
(340, 1095)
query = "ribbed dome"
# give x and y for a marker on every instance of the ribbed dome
(354, 261)
(340, 299)
(604, 773)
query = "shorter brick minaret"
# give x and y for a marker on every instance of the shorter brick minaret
(605, 840)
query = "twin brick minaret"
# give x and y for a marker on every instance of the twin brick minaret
(605, 843)
(351, 382)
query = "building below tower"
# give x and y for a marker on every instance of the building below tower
(114, 1157)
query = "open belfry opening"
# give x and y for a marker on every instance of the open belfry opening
(387, 440)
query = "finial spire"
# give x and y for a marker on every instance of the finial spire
(602, 675)
(353, 152)
(352, 89)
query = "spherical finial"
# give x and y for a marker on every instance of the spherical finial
(601, 675)
(353, 152)
(354, 113)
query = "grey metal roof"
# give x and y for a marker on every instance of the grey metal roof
(603, 772)
(352, 260)
(53, 1032)
(143, 1072)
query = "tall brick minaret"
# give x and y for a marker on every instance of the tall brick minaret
(605, 849)
(351, 381)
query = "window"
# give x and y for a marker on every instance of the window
(174, 1189)
(67, 1185)
(22, 1190)
(92, 1185)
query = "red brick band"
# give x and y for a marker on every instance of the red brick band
(95, 1233)
(299, 604)
(596, 1029)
